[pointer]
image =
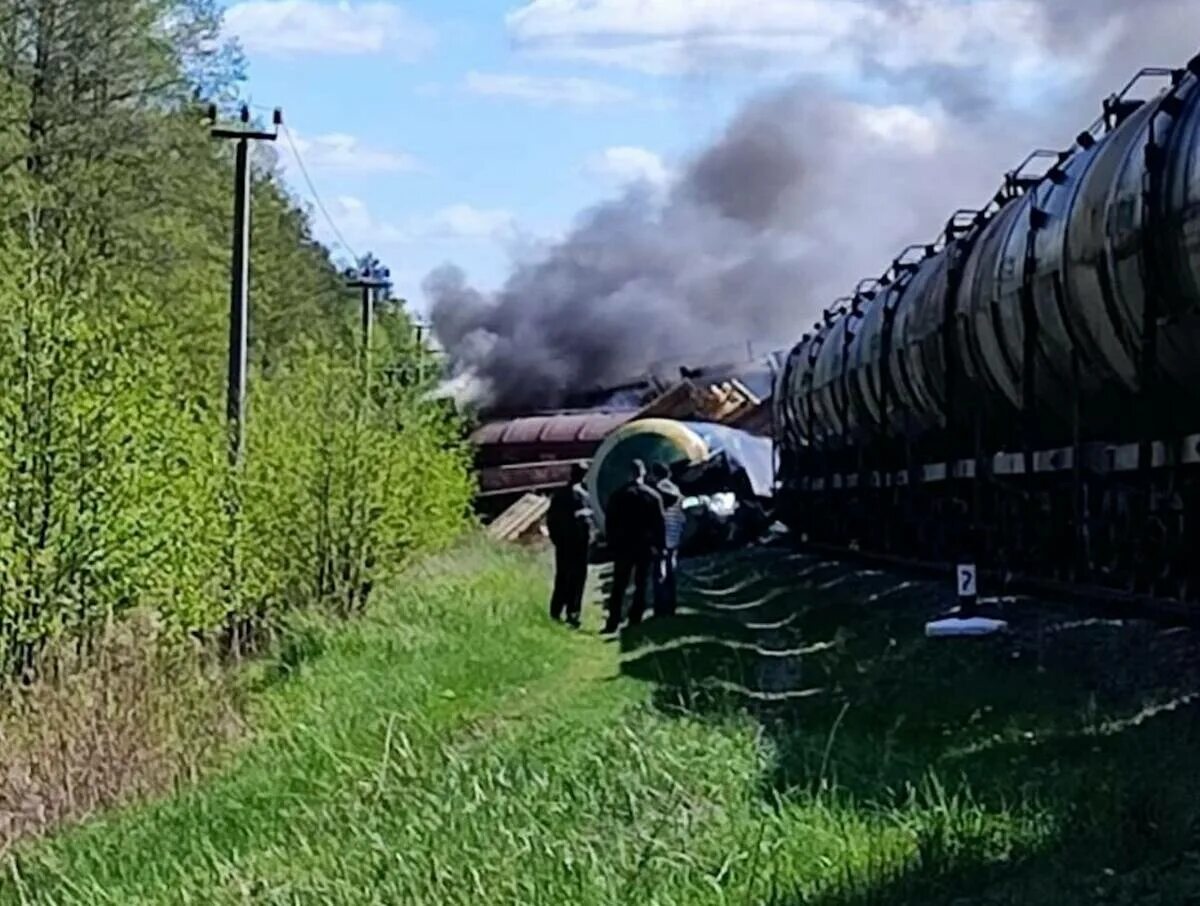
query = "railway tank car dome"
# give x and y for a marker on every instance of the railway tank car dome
(674, 444)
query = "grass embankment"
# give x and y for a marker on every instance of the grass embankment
(790, 746)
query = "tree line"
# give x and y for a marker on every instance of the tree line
(116, 493)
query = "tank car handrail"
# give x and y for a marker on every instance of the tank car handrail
(866, 291)
(815, 350)
(987, 212)
(837, 310)
(956, 226)
(1023, 181)
(1114, 110)
(1118, 107)
(866, 288)
(1149, 72)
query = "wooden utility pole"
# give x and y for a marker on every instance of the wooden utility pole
(421, 329)
(235, 401)
(368, 285)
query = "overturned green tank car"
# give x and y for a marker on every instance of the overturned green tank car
(711, 464)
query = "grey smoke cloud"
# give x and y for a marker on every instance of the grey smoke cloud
(639, 278)
(802, 195)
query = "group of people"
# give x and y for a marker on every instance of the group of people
(644, 523)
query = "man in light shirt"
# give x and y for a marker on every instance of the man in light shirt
(674, 521)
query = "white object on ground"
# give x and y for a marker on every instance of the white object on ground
(722, 505)
(972, 626)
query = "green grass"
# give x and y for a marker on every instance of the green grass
(455, 748)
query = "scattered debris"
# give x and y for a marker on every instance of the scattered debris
(730, 403)
(521, 519)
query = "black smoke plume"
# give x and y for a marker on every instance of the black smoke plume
(639, 278)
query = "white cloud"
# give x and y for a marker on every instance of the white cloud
(338, 151)
(364, 228)
(900, 125)
(311, 27)
(626, 164)
(464, 221)
(581, 92)
(662, 36)
(360, 226)
(828, 37)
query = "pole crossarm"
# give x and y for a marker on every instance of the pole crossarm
(244, 134)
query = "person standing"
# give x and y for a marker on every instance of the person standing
(570, 532)
(674, 520)
(636, 532)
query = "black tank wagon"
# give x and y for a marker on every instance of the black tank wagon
(1025, 391)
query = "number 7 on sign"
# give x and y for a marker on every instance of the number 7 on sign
(967, 581)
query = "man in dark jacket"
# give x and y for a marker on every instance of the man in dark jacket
(569, 527)
(635, 531)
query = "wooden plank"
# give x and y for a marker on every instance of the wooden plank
(746, 393)
(530, 518)
(757, 420)
(501, 528)
(519, 518)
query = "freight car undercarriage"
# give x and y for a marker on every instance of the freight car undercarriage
(1118, 521)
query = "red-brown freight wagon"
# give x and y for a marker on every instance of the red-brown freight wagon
(535, 453)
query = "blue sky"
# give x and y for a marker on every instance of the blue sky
(469, 130)
(444, 142)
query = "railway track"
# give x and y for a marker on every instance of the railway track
(767, 628)
(1002, 583)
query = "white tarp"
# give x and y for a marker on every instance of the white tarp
(754, 454)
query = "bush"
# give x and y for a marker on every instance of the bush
(115, 488)
(117, 493)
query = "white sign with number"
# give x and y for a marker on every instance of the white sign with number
(967, 587)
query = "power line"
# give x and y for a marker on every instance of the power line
(287, 134)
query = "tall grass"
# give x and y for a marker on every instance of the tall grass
(453, 747)
(130, 718)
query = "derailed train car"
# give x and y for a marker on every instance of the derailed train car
(535, 453)
(726, 474)
(1025, 391)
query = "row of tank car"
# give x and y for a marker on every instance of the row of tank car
(1026, 389)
